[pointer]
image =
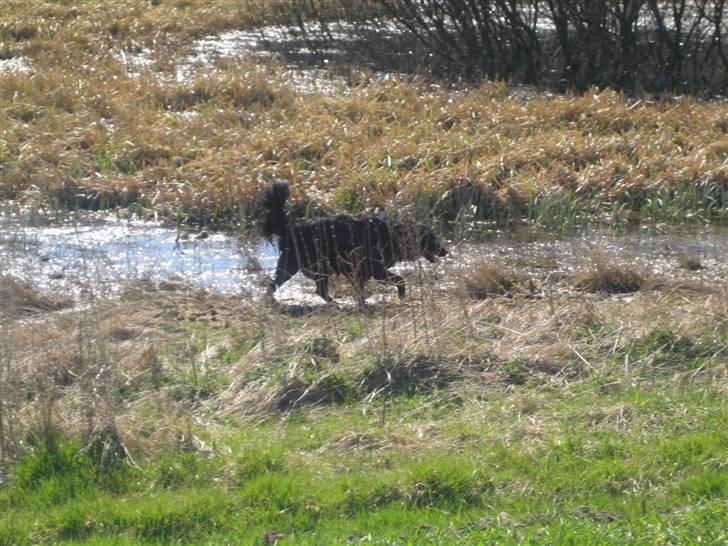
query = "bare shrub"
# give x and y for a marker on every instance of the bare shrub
(637, 45)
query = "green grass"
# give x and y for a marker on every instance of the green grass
(326, 476)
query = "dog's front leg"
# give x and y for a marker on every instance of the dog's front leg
(285, 269)
(322, 288)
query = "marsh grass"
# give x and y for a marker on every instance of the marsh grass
(442, 418)
(609, 276)
(85, 130)
(173, 414)
(692, 263)
(19, 298)
(487, 279)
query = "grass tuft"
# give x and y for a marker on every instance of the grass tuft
(691, 263)
(19, 298)
(608, 277)
(485, 279)
(326, 389)
(408, 376)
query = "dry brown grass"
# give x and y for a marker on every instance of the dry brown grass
(691, 263)
(19, 298)
(486, 279)
(611, 279)
(203, 148)
(83, 130)
(144, 368)
(609, 275)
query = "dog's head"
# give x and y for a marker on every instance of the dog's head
(430, 247)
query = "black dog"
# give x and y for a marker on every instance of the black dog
(361, 248)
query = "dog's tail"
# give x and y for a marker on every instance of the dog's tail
(275, 220)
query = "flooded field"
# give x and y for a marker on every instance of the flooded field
(93, 255)
(308, 57)
(671, 254)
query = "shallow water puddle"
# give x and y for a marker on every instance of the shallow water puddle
(308, 58)
(262, 43)
(91, 255)
(661, 253)
(17, 65)
(94, 256)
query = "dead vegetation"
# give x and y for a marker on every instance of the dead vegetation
(85, 128)
(609, 275)
(610, 279)
(148, 372)
(20, 299)
(485, 279)
(692, 263)
(132, 376)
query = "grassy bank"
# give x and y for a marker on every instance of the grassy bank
(84, 129)
(563, 416)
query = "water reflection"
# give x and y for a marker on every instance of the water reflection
(650, 250)
(93, 255)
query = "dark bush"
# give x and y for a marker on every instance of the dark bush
(634, 45)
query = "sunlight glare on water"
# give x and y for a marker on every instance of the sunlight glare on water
(96, 256)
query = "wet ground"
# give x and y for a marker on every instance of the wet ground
(307, 56)
(672, 252)
(94, 255)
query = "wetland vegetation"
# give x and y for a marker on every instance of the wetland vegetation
(527, 397)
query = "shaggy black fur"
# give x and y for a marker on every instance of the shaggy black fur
(361, 247)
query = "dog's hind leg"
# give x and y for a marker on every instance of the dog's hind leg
(384, 275)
